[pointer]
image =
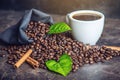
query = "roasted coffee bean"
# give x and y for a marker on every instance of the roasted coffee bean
(2, 55)
(46, 47)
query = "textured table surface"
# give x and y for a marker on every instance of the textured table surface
(109, 70)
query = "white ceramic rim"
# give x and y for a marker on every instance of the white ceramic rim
(85, 11)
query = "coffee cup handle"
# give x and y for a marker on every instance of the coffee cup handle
(67, 18)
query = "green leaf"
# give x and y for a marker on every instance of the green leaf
(59, 28)
(63, 66)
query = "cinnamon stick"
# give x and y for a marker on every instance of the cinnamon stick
(26, 55)
(113, 47)
(34, 63)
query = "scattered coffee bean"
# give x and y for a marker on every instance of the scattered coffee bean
(48, 47)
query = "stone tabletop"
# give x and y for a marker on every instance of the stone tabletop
(109, 70)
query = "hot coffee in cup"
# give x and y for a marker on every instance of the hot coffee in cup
(87, 25)
(87, 16)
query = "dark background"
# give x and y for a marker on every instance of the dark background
(111, 8)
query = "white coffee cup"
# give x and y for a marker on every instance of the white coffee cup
(84, 31)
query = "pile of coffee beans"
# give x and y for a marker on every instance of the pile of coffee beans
(52, 46)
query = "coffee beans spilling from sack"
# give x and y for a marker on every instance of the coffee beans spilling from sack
(46, 47)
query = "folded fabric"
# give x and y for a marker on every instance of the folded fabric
(16, 34)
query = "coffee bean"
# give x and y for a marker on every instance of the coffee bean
(46, 47)
(2, 55)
